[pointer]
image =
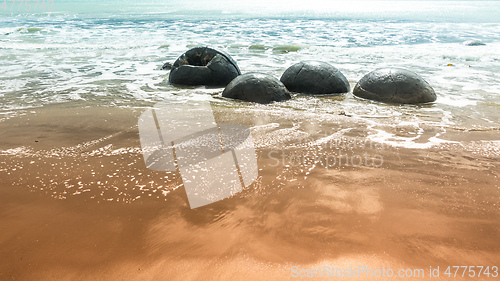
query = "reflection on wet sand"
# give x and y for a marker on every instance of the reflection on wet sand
(80, 204)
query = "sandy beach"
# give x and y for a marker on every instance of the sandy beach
(78, 203)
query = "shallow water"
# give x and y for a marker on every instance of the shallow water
(79, 202)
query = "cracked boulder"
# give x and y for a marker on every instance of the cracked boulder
(315, 78)
(256, 87)
(394, 85)
(203, 66)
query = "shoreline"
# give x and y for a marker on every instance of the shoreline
(421, 208)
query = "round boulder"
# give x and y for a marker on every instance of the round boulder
(394, 85)
(256, 87)
(316, 78)
(203, 66)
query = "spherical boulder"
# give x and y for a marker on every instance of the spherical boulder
(203, 66)
(394, 85)
(256, 87)
(315, 77)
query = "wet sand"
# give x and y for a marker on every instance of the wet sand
(78, 203)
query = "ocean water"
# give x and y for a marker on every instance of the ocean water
(109, 53)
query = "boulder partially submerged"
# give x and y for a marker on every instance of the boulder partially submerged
(315, 77)
(394, 85)
(203, 66)
(256, 87)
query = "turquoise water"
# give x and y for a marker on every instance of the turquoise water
(110, 53)
(457, 11)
